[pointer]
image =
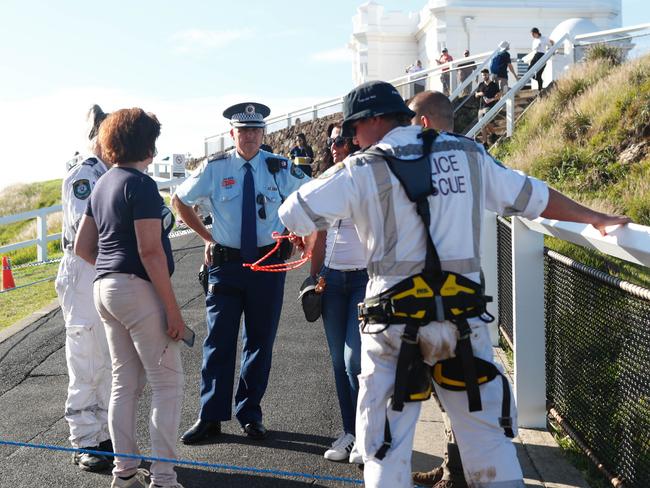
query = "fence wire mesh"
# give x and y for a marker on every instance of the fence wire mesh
(504, 282)
(597, 357)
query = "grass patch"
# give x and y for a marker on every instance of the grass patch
(19, 303)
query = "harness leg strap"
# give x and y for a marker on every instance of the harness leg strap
(388, 440)
(505, 421)
(466, 355)
(407, 353)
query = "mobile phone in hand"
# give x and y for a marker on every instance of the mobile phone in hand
(188, 336)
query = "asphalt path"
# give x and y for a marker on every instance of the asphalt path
(300, 406)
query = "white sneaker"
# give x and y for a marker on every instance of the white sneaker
(138, 481)
(355, 456)
(341, 448)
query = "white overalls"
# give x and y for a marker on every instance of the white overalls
(86, 349)
(362, 188)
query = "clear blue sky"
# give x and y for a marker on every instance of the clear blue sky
(185, 61)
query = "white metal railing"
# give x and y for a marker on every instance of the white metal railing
(41, 230)
(508, 100)
(630, 243)
(609, 36)
(219, 142)
(42, 237)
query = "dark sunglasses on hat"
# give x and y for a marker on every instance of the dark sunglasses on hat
(337, 141)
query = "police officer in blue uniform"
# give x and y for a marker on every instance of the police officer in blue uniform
(245, 187)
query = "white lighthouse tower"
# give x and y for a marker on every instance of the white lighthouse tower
(385, 42)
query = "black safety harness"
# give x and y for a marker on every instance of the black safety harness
(432, 295)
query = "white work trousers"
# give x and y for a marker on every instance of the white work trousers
(488, 456)
(86, 353)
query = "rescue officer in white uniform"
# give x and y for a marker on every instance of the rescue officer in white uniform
(464, 181)
(86, 349)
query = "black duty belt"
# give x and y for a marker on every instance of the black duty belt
(223, 254)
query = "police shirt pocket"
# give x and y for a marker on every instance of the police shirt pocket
(272, 201)
(371, 417)
(227, 203)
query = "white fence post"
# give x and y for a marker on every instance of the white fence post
(528, 325)
(41, 235)
(510, 116)
(490, 270)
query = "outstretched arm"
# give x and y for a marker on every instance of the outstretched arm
(561, 207)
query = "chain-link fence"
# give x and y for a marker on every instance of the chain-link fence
(597, 357)
(504, 279)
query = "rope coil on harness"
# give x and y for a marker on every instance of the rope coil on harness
(279, 267)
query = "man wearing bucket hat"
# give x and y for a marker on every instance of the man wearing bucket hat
(245, 187)
(86, 349)
(416, 199)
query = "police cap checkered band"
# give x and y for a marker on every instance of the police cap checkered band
(369, 100)
(248, 114)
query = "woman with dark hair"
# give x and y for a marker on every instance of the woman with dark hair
(125, 234)
(302, 154)
(540, 45)
(339, 258)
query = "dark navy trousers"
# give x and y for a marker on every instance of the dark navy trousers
(258, 295)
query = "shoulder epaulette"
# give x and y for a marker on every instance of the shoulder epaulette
(90, 162)
(218, 156)
(276, 163)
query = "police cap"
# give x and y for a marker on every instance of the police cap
(94, 119)
(369, 100)
(248, 114)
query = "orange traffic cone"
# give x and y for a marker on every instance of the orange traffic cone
(7, 275)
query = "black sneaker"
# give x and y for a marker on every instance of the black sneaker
(92, 462)
(107, 447)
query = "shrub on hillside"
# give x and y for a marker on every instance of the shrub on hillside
(605, 52)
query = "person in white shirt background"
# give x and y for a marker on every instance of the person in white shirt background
(540, 45)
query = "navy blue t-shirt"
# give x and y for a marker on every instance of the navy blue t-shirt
(499, 64)
(120, 197)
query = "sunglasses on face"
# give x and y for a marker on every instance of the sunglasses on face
(337, 141)
(260, 199)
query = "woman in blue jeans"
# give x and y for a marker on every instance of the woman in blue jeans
(339, 257)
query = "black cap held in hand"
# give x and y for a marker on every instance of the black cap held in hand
(369, 100)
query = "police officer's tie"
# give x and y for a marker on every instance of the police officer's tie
(248, 220)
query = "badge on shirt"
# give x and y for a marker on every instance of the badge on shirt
(228, 182)
(296, 172)
(81, 189)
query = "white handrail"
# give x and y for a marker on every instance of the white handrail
(619, 30)
(630, 242)
(460, 88)
(41, 223)
(449, 67)
(510, 95)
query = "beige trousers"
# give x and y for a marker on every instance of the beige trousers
(141, 351)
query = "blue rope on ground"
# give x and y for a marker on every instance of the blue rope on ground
(228, 467)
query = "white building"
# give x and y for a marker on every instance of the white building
(384, 42)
